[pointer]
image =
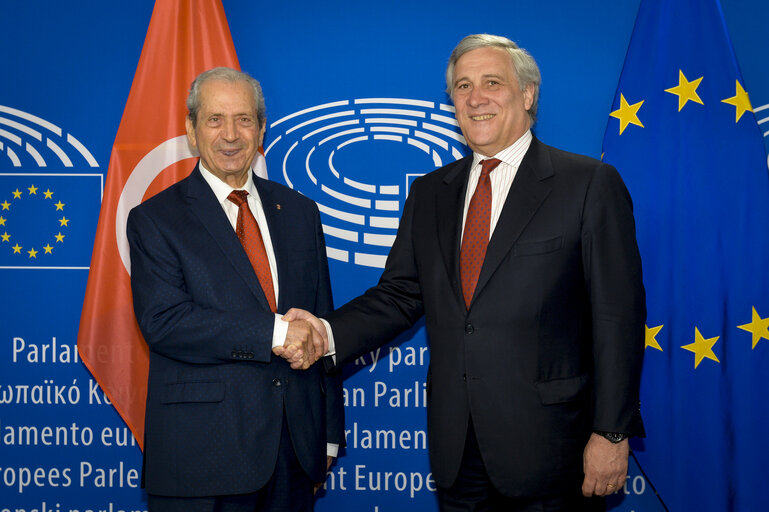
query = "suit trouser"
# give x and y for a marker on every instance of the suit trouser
(289, 489)
(473, 491)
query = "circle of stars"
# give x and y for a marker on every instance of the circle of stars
(6, 209)
(686, 90)
(702, 347)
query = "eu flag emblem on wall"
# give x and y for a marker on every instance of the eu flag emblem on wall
(683, 135)
(47, 220)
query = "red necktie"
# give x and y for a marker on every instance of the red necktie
(251, 238)
(476, 235)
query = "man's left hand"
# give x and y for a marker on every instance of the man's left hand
(605, 466)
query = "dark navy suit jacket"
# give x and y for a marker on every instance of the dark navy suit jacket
(551, 346)
(216, 393)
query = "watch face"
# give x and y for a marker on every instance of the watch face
(614, 437)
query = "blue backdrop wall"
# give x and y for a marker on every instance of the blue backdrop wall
(62, 445)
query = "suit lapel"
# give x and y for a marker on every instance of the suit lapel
(449, 204)
(526, 194)
(203, 205)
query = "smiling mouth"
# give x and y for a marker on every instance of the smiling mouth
(229, 152)
(484, 117)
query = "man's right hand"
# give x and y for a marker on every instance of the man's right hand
(300, 314)
(306, 340)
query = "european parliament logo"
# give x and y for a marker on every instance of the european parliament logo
(47, 219)
(357, 158)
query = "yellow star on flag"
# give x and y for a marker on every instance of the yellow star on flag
(16, 249)
(63, 221)
(5, 236)
(48, 249)
(6, 205)
(32, 190)
(740, 101)
(685, 90)
(59, 237)
(48, 194)
(702, 348)
(758, 326)
(651, 337)
(627, 114)
(16, 194)
(32, 253)
(59, 206)
(2, 220)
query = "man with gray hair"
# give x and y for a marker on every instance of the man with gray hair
(524, 262)
(215, 260)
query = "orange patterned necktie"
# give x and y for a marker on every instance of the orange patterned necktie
(476, 235)
(251, 238)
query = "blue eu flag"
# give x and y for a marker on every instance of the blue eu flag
(683, 135)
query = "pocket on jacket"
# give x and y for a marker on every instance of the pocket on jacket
(193, 391)
(558, 391)
(538, 247)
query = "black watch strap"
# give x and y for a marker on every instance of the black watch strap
(614, 437)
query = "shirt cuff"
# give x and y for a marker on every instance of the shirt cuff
(331, 343)
(279, 332)
(332, 449)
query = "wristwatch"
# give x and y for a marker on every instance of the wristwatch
(614, 437)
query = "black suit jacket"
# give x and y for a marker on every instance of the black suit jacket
(552, 344)
(216, 394)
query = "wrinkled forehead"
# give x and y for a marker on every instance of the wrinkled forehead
(486, 60)
(236, 96)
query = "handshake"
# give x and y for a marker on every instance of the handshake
(306, 339)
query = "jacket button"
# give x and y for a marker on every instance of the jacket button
(464, 377)
(276, 383)
(469, 329)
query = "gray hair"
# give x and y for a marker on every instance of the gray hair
(225, 75)
(526, 70)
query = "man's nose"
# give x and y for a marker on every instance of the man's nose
(229, 130)
(476, 96)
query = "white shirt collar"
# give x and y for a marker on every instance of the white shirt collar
(222, 190)
(511, 155)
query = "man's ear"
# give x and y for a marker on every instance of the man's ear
(261, 134)
(528, 96)
(190, 132)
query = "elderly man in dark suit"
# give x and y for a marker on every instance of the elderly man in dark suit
(215, 259)
(524, 262)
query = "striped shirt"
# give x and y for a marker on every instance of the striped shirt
(501, 178)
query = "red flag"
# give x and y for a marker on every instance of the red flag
(150, 153)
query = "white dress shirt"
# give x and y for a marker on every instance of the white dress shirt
(221, 190)
(501, 180)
